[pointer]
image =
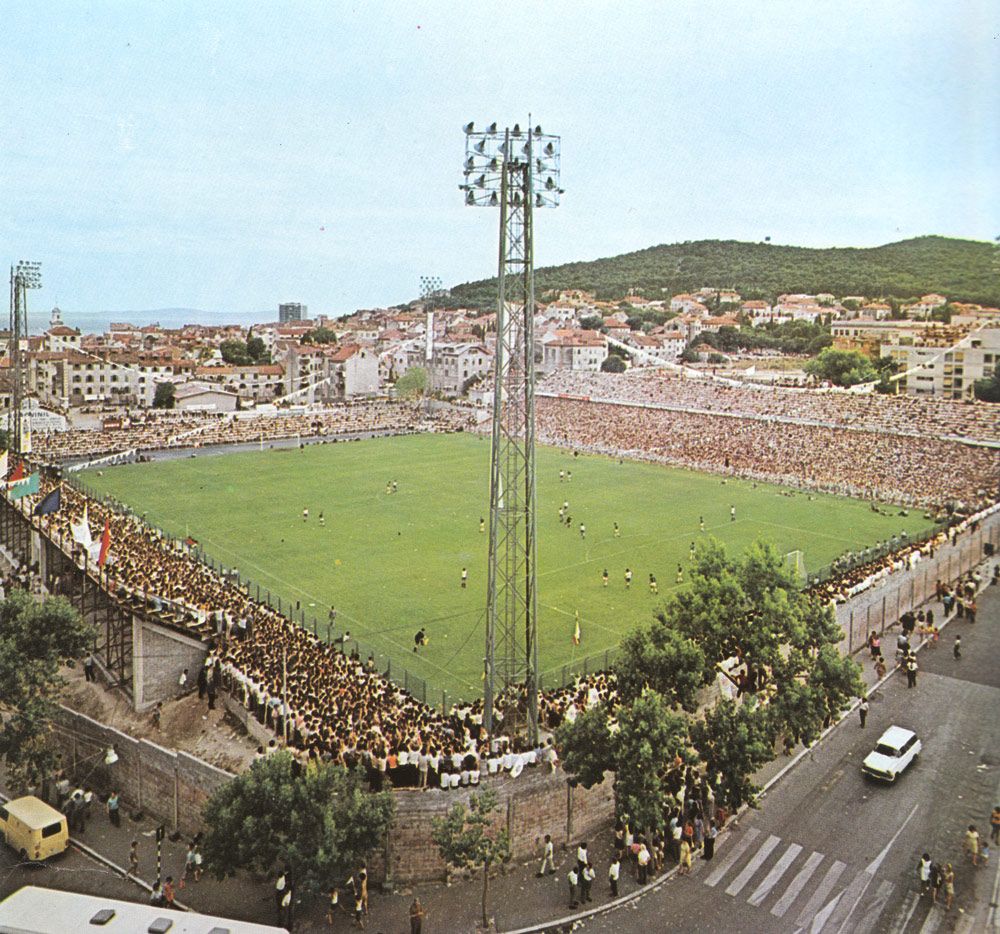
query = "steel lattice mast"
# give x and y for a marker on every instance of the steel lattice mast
(516, 171)
(25, 275)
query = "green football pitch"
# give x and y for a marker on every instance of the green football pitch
(391, 562)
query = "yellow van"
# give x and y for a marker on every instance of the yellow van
(33, 829)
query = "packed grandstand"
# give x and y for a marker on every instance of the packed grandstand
(339, 707)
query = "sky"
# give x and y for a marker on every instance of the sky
(231, 156)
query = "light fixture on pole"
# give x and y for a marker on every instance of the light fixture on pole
(500, 172)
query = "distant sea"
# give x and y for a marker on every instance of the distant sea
(97, 322)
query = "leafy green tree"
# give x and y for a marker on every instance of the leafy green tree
(234, 352)
(320, 336)
(689, 354)
(657, 656)
(649, 739)
(988, 390)
(163, 396)
(318, 821)
(734, 741)
(35, 638)
(592, 322)
(640, 744)
(613, 364)
(842, 367)
(412, 383)
(470, 838)
(587, 750)
(257, 350)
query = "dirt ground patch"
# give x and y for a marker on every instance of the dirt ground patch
(186, 723)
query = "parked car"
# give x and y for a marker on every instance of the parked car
(896, 748)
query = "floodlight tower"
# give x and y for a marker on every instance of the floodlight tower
(25, 275)
(430, 288)
(516, 170)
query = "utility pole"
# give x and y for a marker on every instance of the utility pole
(517, 171)
(25, 275)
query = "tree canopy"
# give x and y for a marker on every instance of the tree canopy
(743, 616)
(988, 390)
(35, 638)
(163, 396)
(470, 838)
(319, 821)
(843, 367)
(412, 383)
(244, 353)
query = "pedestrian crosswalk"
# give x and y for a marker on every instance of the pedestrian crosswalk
(781, 876)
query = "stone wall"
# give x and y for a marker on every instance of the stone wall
(174, 786)
(159, 655)
(168, 784)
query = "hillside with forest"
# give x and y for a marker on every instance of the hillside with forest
(962, 270)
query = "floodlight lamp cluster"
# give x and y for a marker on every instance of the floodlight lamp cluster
(488, 151)
(28, 274)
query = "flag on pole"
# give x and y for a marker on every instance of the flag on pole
(51, 502)
(576, 629)
(102, 555)
(81, 530)
(16, 474)
(26, 486)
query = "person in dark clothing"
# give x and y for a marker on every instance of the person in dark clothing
(202, 682)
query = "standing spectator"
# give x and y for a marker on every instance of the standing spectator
(643, 859)
(572, 877)
(113, 809)
(863, 709)
(948, 880)
(183, 680)
(332, 906)
(685, 862)
(280, 885)
(168, 892)
(417, 914)
(88, 667)
(202, 682)
(582, 857)
(614, 873)
(133, 859)
(995, 824)
(713, 832)
(957, 650)
(971, 845)
(924, 873)
(911, 670)
(587, 877)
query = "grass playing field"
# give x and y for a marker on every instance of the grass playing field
(391, 562)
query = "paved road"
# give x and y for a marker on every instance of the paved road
(831, 852)
(72, 872)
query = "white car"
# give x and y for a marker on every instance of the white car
(896, 749)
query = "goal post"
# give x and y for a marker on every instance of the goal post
(795, 562)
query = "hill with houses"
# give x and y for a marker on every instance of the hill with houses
(964, 270)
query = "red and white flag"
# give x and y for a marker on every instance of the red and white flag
(105, 544)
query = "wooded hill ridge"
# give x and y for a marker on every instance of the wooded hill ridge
(961, 270)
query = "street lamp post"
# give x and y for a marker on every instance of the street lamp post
(516, 170)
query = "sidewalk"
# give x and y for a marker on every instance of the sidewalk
(517, 898)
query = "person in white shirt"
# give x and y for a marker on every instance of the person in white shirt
(614, 871)
(582, 857)
(548, 858)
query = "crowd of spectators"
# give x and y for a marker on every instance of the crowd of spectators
(168, 430)
(872, 412)
(916, 470)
